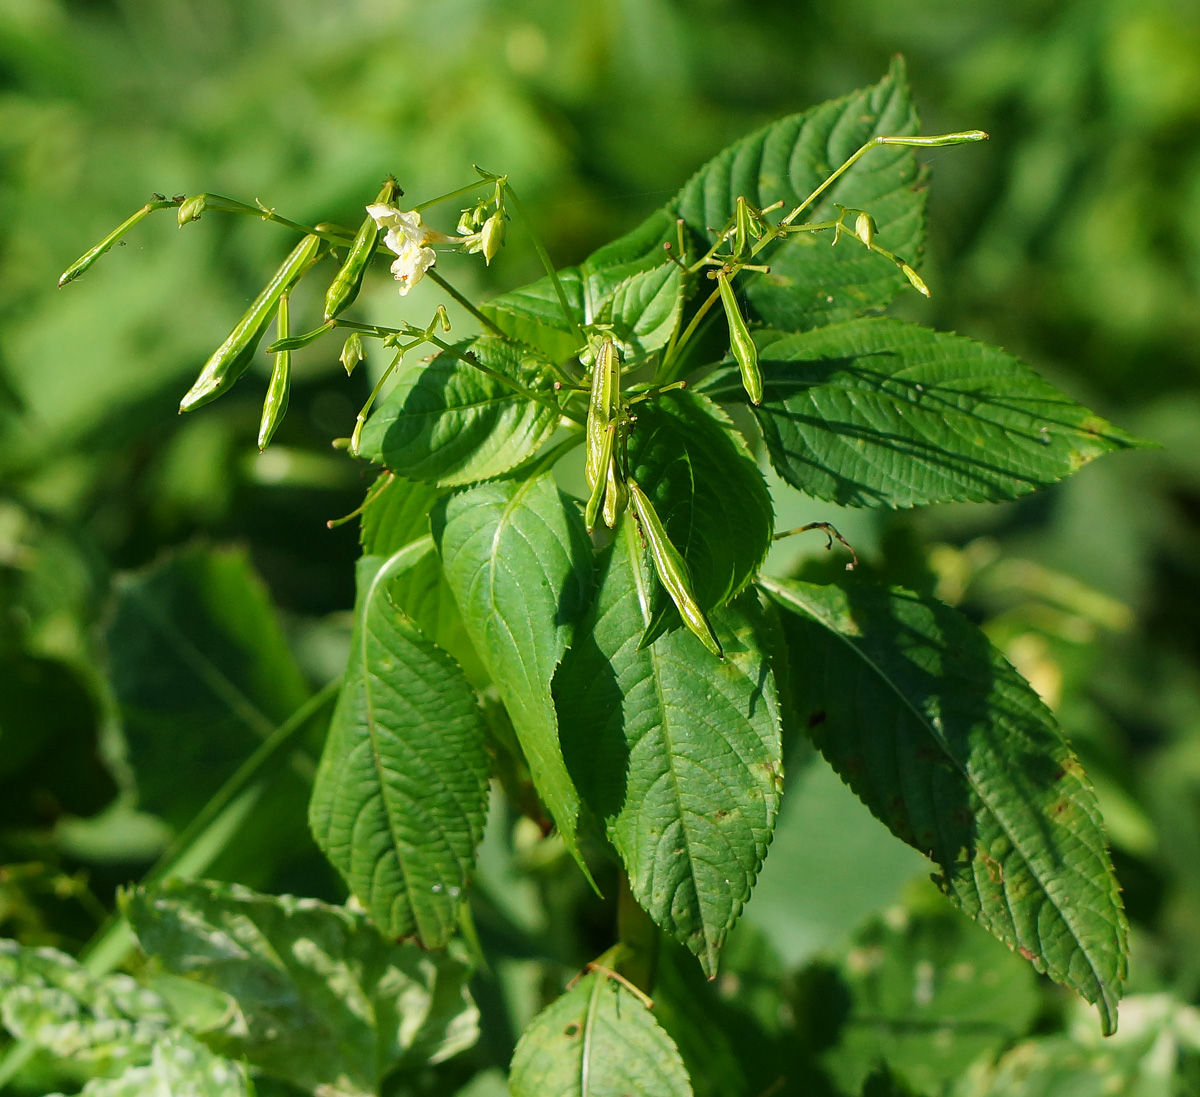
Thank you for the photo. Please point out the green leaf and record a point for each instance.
(401, 793)
(448, 423)
(630, 285)
(953, 750)
(811, 283)
(323, 1000)
(877, 412)
(92, 1025)
(179, 1066)
(396, 514)
(520, 564)
(1157, 1052)
(687, 457)
(597, 1040)
(927, 993)
(201, 672)
(677, 752)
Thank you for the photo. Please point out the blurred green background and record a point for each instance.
(1071, 238)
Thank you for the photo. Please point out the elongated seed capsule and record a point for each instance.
(92, 254)
(348, 281)
(230, 359)
(672, 570)
(616, 495)
(602, 405)
(275, 405)
(600, 486)
(744, 350)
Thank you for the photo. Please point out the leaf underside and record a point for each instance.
(952, 749)
(400, 797)
(677, 752)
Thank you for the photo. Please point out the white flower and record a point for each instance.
(410, 240)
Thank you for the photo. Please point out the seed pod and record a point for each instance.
(230, 360)
(918, 283)
(348, 281)
(275, 405)
(192, 208)
(616, 495)
(602, 406)
(492, 236)
(352, 352)
(599, 488)
(740, 343)
(672, 570)
(92, 254)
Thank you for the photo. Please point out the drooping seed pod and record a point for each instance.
(672, 570)
(865, 228)
(276, 402)
(745, 353)
(599, 488)
(348, 281)
(602, 406)
(231, 359)
(82, 264)
(616, 495)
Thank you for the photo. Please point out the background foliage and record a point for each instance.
(1070, 239)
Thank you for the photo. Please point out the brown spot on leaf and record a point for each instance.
(572, 1030)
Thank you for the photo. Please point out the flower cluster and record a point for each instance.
(410, 240)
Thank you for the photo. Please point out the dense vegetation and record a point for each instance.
(177, 614)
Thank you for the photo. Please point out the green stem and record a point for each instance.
(545, 258)
(231, 205)
(435, 277)
(665, 374)
(452, 194)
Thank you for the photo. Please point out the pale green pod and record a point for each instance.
(92, 254)
(276, 402)
(616, 496)
(348, 281)
(230, 360)
(745, 353)
(672, 570)
(599, 488)
(602, 406)
(865, 227)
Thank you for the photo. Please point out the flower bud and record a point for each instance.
(492, 236)
(192, 208)
(865, 227)
(352, 352)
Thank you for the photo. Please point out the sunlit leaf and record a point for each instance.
(518, 560)
(323, 1000)
(447, 422)
(400, 796)
(597, 1040)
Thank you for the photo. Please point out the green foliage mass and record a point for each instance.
(545, 742)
